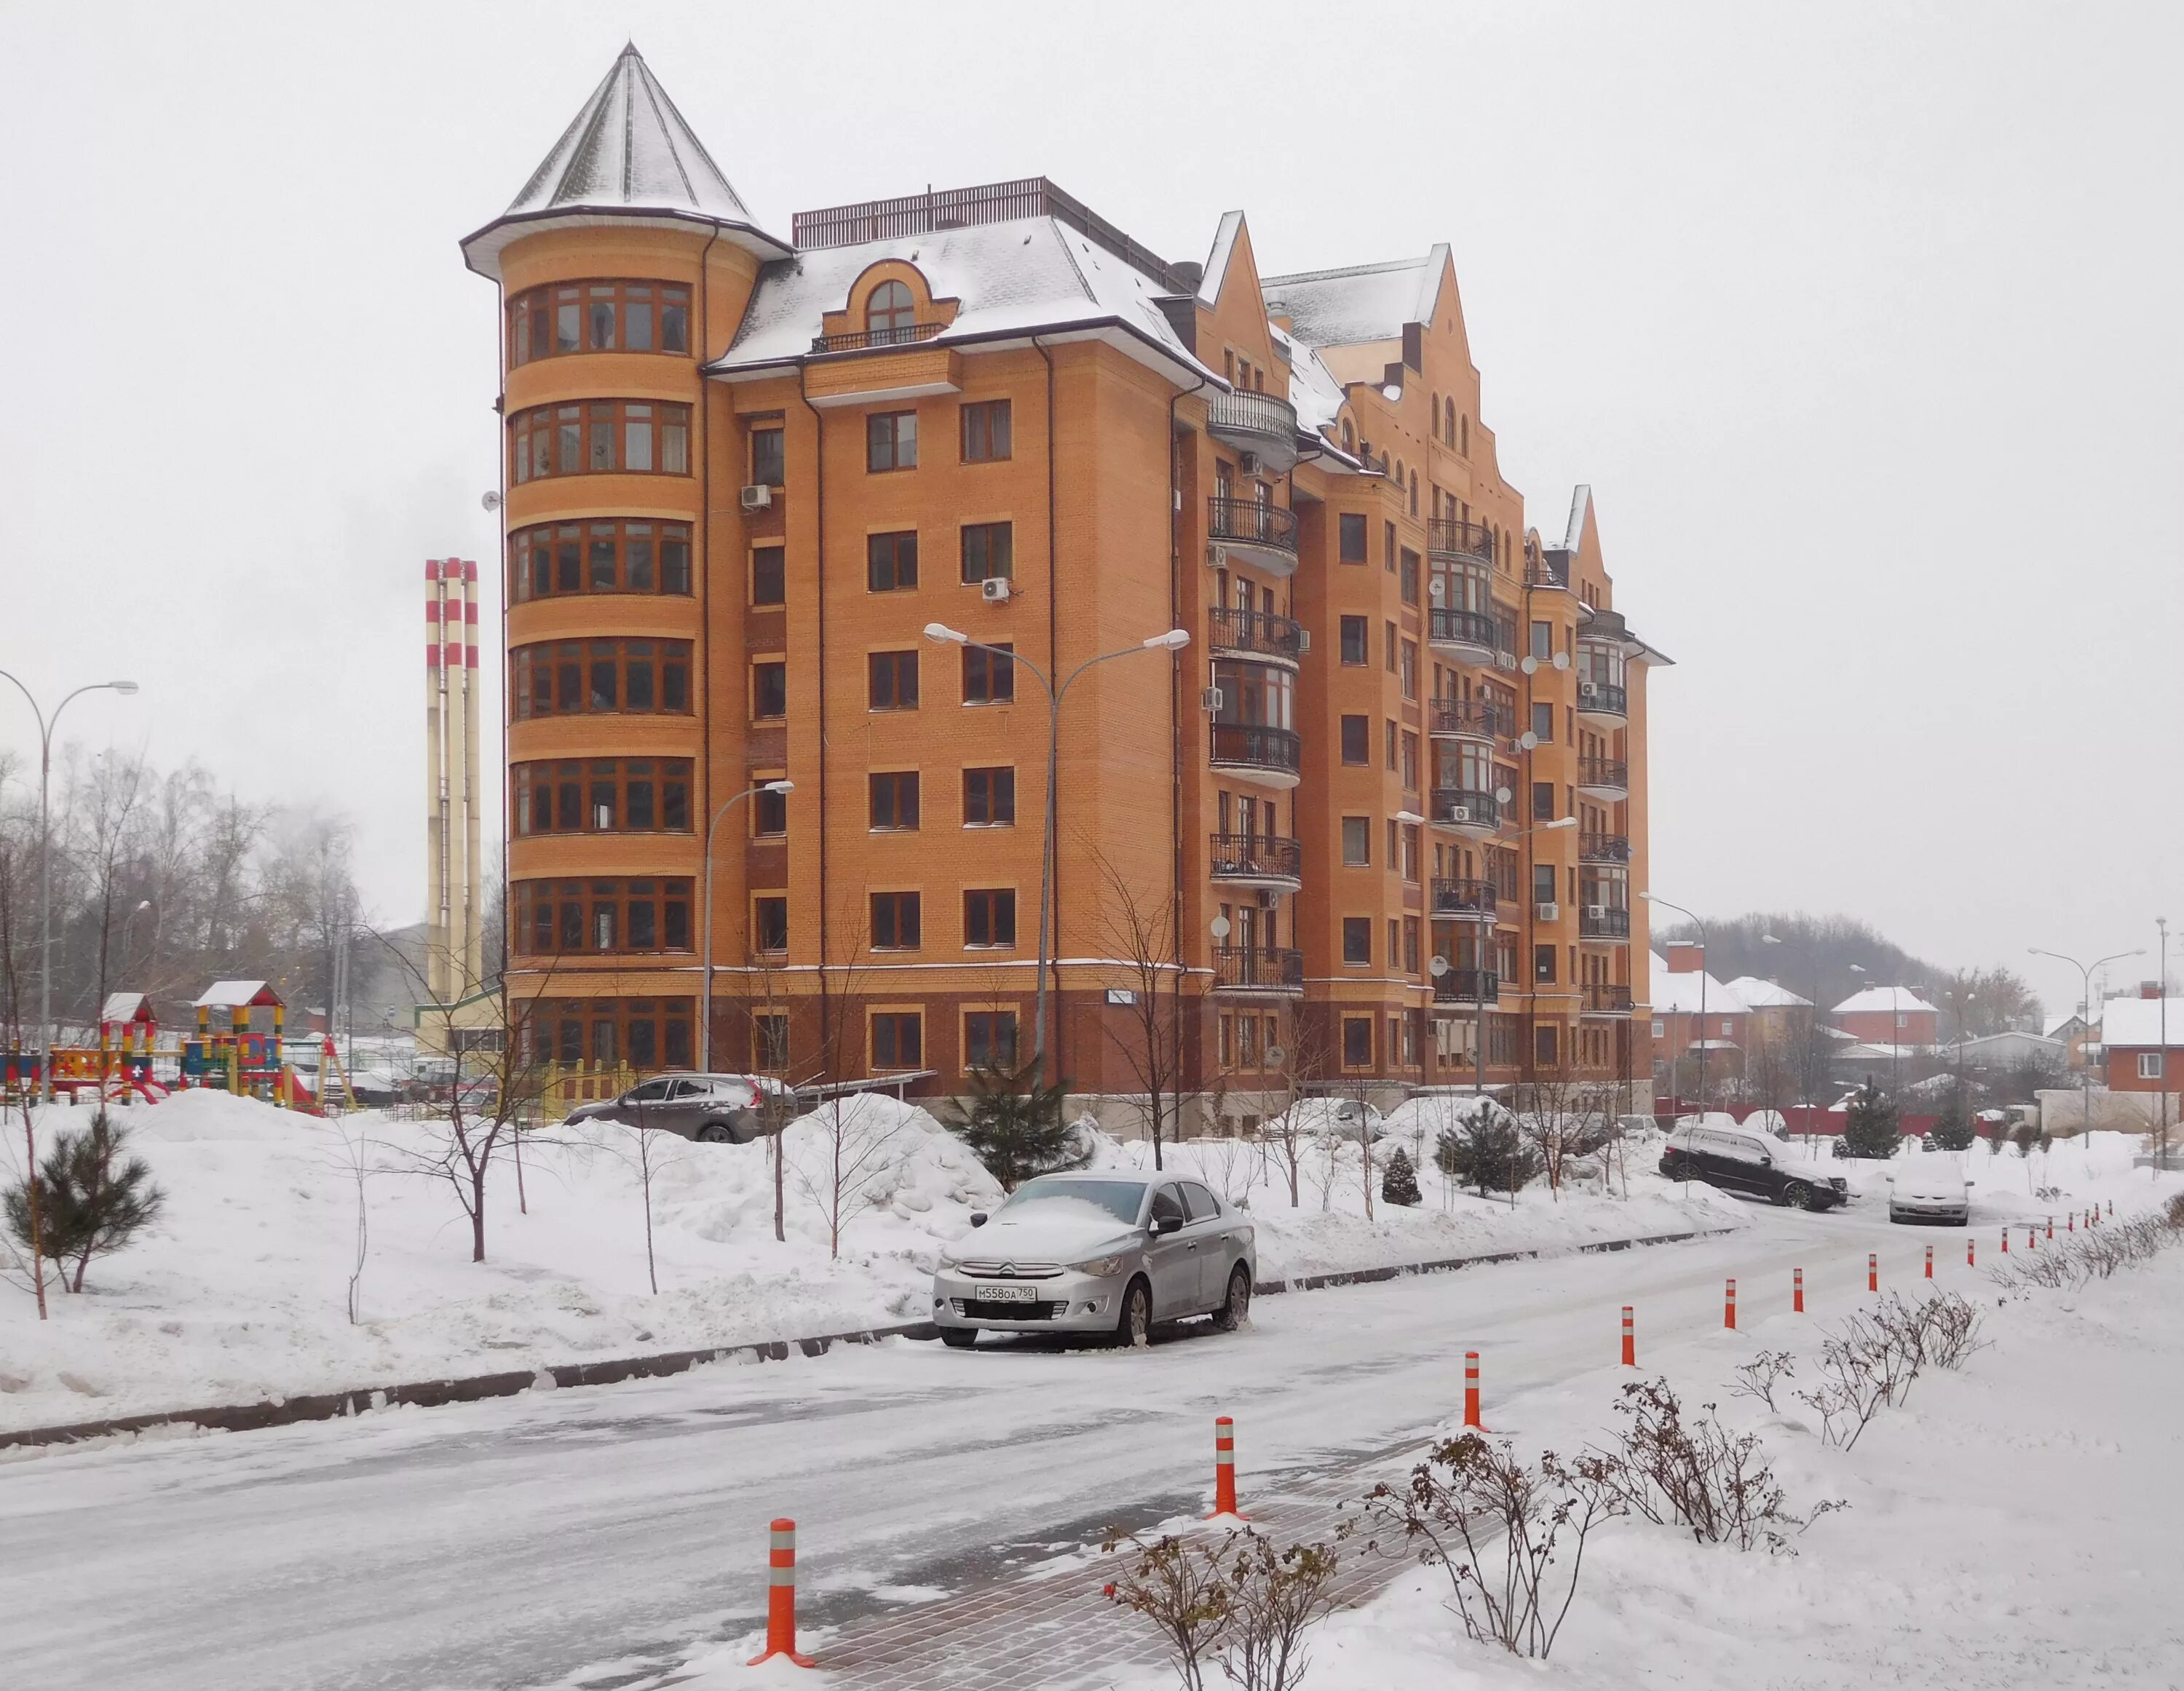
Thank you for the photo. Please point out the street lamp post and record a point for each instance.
(1478, 974)
(1173, 641)
(2086, 1003)
(2162, 1060)
(46, 727)
(705, 1019)
(1653, 898)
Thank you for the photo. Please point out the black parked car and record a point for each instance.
(1740, 1159)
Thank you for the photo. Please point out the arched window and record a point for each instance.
(1464, 446)
(890, 314)
(1448, 421)
(1414, 492)
(1348, 437)
(1399, 477)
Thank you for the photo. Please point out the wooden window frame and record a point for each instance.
(891, 426)
(669, 897)
(667, 661)
(885, 673)
(993, 897)
(894, 777)
(989, 770)
(901, 899)
(665, 299)
(976, 430)
(550, 777)
(983, 669)
(894, 1014)
(886, 550)
(668, 437)
(560, 554)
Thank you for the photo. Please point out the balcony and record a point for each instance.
(1477, 815)
(1451, 538)
(864, 340)
(1264, 535)
(1602, 702)
(1613, 849)
(1466, 635)
(1603, 777)
(1472, 987)
(1257, 969)
(1464, 900)
(1270, 756)
(1254, 634)
(1257, 860)
(1255, 423)
(1467, 719)
(1604, 923)
(1601, 998)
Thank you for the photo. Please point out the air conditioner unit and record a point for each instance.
(1209, 700)
(1459, 813)
(1216, 555)
(1587, 690)
(757, 497)
(1268, 898)
(1597, 913)
(1304, 641)
(995, 589)
(1505, 660)
(1248, 462)
(1547, 913)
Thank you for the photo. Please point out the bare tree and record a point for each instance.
(1138, 929)
(1567, 1122)
(1304, 1063)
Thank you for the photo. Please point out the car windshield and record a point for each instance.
(1118, 1198)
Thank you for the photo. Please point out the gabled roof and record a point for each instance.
(126, 1007)
(1216, 261)
(2057, 1024)
(1766, 995)
(2137, 1021)
(1884, 999)
(1362, 303)
(1678, 994)
(236, 995)
(628, 154)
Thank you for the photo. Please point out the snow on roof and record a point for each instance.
(1766, 995)
(1872, 1051)
(234, 994)
(2137, 1021)
(124, 1007)
(1678, 994)
(628, 150)
(1216, 261)
(1884, 999)
(1362, 303)
(1010, 279)
(2056, 1024)
(1580, 502)
(1313, 391)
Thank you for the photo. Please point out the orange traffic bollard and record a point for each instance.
(1729, 1307)
(781, 1598)
(1629, 1338)
(2005, 1242)
(2111, 1206)
(1930, 1262)
(1971, 1252)
(1471, 1390)
(2073, 1220)
(2051, 1226)
(1224, 1470)
(1797, 1291)
(2032, 1238)
(1872, 1272)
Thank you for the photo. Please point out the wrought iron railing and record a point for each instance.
(1254, 745)
(1602, 998)
(1246, 412)
(1468, 987)
(1464, 898)
(1607, 772)
(1602, 848)
(1251, 522)
(1604, 923)
(864, 340)
(1256, 857)
(1258, 969)
(1602, 698)
(1452, 537)
(1476, 719)
(1259, 632)
(1459, 807)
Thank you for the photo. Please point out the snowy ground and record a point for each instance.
(240, 1291)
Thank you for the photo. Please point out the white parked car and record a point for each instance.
(1936, 1186)
(1110, 1253)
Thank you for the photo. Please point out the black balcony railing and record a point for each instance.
(1256, 415)
(1603, 847)
(1601, 998)
(1473, 628)
(1468, 987)
(1258, 969)
(1259, 631)
(1254, 745)
(1603, 698)
(1610, 772)
(1459, 807)
(1470, 718)
(1464, 899)
(1452, 537)
(1605, 923)
(863, 340)
(1256, 857)
(1247, 522)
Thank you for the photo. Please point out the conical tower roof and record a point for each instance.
(627, 154)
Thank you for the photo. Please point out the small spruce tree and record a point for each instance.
(1952, 1129)
(1486, 1150)
(1870, 1127)
(1400, 1184)
(92, 1199)
(1013, 1124)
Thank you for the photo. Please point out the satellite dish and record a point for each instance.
(1438, 967)
(1502, 795)
(492, 500)
(1436, 590)
(1528, 740)
(1561, 660)
(1275, 1056)
(1221, 927)
(1531, 666)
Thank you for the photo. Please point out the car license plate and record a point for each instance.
(1007, 1294)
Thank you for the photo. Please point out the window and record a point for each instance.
(1543, 964)
(769, 577)
(1660, 1028)
(989, 551)
(891, 562)
(1409, 669)
(1410, 573)
(989, 916)
(553, 918)
(602, 796)
(890, 314)
(1388, 646)
(769, 457)
(1543, 724)
(892, 679)
(1543, 801)
(605, 556)
(1356, 841)
(896, 921)
(601, 436)
(769, 691)
(769, 1041)
(1410, 761)
(1350, 531)
(1543, 641)
(2149, 1065)
(768, 812)
(897, 1039)
(1388, 547)
(1357, 939)
(1356, 1041)
(986, 432)
(1543, 883)
(1389, 736)
(1354, 639)
(989, 1039)
(597, 317)
(891, 440)
(988, 677)
(770, 923)
(989, 798)
(1411, 852)
(1546, 1044)
(1356, 741)
(646, 1033)
(580, 677)
(1410, 945)
(895, 799)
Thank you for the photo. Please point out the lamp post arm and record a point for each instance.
(706, 1016)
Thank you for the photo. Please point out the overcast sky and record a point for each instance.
(1861, 319)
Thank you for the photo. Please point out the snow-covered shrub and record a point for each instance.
(1696, 1474)
(1243, 1606)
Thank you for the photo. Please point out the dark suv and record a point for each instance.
(1757, 1163)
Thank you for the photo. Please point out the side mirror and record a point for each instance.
(978, 1218)
(1167, 1224)
(1766, 1161)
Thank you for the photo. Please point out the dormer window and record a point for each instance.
(890, 314)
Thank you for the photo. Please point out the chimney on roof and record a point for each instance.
(1685, 958)
(1188, 274)
(2149, 989)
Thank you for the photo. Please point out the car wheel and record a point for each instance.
(1237, 1305)
(959, 1338)
(715, 1134)
(1797, 1195)
(1133, 1327)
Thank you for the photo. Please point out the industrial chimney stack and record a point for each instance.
(454, 952)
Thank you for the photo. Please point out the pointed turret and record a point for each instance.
(628, 154)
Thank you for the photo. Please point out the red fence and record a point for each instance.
(1802, 1118)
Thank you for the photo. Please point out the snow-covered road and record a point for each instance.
(517, 1542)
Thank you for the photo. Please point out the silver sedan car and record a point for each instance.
(722, 1109)
(1109, 1253)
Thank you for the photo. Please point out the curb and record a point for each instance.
(476, 1387)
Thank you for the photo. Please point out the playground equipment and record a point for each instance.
(236, 1058)
(117, 1070)
(242, 1060)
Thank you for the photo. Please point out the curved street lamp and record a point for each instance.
(705, 1020)
(2086, 1003)
(1665, 904)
